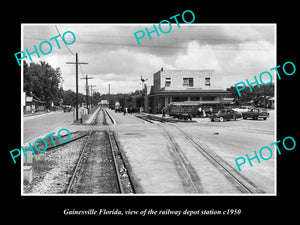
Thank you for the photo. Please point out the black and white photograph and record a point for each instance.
(147, 112)
(132, 114)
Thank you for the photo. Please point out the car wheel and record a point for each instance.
(265, 118)
(221, 119)
(244, 117)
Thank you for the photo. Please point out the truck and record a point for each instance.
(188, 109)
(255, 113)
(183, 110)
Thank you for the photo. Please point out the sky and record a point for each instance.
(235, 51)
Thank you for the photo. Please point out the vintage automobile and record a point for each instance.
(67, 108)
(225, 114)
(183, 110)
(188, 109)
(243, 108)
(255, 114)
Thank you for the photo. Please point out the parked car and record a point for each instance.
(225, 114)
(255, 114)
(243, 108)
(67, 108)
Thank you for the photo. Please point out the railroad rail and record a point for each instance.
(237, 179)
(113, 148)
(190, 179)
(93, 123)
(124, 179)
(113, 159)
(243, 184)
(120, 181)
(151, 119)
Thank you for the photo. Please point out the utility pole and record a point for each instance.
(108, 95)
(76, 63)
(87, 90)
(92, 92)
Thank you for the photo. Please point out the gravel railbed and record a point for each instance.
(53, 168)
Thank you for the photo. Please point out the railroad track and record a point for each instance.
(93, 123)
(243, 184)
(191, 179)
(100, 168)
(122, 167)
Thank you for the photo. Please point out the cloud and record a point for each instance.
(234, 51)
(232, 63)
(197, 57)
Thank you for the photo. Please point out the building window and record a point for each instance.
(168, 82)
(208, 98)
(179, 99)
(207, 81)
(194, 98)
(188, 82)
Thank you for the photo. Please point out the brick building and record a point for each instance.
(182, 85)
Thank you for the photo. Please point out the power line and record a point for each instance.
(64, 42)
(220, 48)
(230, 45)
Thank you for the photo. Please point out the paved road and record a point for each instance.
(41, 125)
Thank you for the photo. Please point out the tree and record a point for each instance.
(42, 81)
(258, 95)
(96, 97)
(69, 98)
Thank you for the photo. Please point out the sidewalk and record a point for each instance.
(37, 114)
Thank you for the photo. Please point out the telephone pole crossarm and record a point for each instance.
(87, 90)
(76, 63)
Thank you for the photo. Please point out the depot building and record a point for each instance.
(180, 86)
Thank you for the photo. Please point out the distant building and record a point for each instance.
(104, 103)
(182, 85)
(33, 103)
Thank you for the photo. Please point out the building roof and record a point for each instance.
(34, 99)
(191, 92)
(29, 99)
(195, 102)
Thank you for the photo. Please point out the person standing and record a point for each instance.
(199, 111)
(164, 112)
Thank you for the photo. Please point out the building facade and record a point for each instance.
(180, 86)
